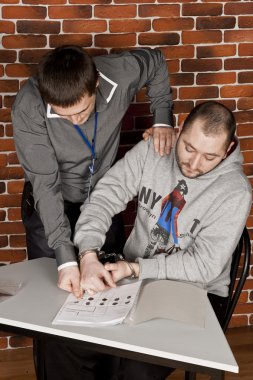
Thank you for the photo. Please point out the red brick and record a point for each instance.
(114, 40)
(9, 100)
(17, 241)
(13, 159)
(20, 70)
(123, 26)
(215, 22)
(238, 8)
(5, 116)
(92, 1)
(84, 26)
(11, 227)
(238, 63)
(245, 143)
(3, 241)
(2, 215)
(186, 51)
(192, 65)
(215, 78)
(7, 27)
(66, 12)
(23, 41)
(238, 321)
(3, 343)
(23, 12)
(70, 39)
(9, 85)
(9, 1)
(216, 51)
(3, 160)
(11, 173)
(248, 158)
(6, 145)
(171, 10)
(158, 39)
(182, 79)
(245, 77)
(133, 1)
(32, 55)
(202, 9)
(166, 24)
(244, 129)
(12, 255)
(15, 187)
(238, 36)
(246, 308)
(115, 11)
(9, 130)
(245, 22)
(173, 66)
(248, 171)
(245, 104)
(236, 91)
(205, 92)
(2, 187)
(38, 27)
(50, 2)
(181, 107)
(20, 341)
(14, 214)
(245, 49)
(207, 36)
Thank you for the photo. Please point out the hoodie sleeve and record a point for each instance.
(110, 196)
(210, 254)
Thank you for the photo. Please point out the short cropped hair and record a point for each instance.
(65, 75)
(215, 117)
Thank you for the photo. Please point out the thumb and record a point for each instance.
(109, 280)
(76, 288)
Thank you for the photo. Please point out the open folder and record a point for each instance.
(136, 302)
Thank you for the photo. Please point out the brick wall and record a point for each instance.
(208, 45)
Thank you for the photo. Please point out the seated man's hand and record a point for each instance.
(94, 277)
(121, 269)
(164, 138)
(69, 279)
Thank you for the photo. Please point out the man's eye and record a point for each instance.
(209, 158)
(188, 149)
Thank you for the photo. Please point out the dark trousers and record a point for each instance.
(35, 235)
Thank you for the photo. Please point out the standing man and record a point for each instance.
(67, 123)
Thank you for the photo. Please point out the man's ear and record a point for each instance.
(228, 149)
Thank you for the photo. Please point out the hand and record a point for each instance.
(164, 138)
(69, 279)
(121, 269)
(94, 277)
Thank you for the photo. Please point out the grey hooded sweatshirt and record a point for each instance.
(185, 229)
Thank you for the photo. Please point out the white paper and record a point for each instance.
(109, 307)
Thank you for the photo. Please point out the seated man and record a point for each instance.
(192, 208)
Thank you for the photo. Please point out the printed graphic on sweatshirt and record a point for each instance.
(166, 226)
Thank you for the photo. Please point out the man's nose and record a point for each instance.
(75, 119)
(195, 162)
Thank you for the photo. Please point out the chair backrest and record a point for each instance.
(241, 254)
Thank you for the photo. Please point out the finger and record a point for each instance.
(77, 290)
(66, 287)
(145, 136)
(110, 266)
(156, 142)
(108, 280)
(168, 144)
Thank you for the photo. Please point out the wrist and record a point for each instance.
(88, 255)
(132, 270)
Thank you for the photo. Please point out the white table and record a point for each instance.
(164, 342)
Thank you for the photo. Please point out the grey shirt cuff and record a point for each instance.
(152, 268)
(64, 254)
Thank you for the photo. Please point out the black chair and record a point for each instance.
(241, 273)
(239, 270)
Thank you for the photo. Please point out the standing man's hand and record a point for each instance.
(94, 277)
(69, 279)
(164, 138)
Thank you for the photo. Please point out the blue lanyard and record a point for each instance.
(92, 145)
